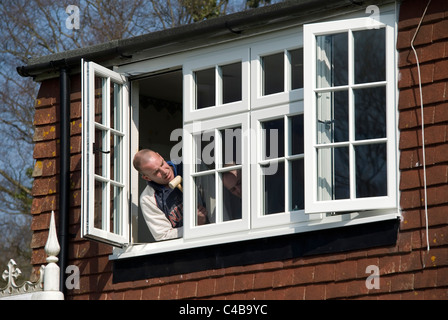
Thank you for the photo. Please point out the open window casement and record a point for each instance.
(349, 110)
(104, 212)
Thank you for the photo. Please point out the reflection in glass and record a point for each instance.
(332, 60)
(370, 113)
(274, 189)
(296, 125)
(232, 195)
(116, 203)
(205, 88)
(371, 170)
(98, 204)
(100, 102)
(231, 146)
(370, 55)
(205, 198)
(297, 185)
(116, 106)
(273, 73)
(231, 82)
(97, 150)
(334, 175)
(296, 57)
(273, 139)
(332, 117)
(205, 150)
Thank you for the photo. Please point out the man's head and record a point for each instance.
(153, 167)
(232, 182)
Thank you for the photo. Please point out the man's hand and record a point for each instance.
(202, 215)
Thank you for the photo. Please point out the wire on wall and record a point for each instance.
(423, 126)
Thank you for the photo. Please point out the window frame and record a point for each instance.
(312, 204)
(89, 70)
(256, 108)
(191, 231)
(205, 61)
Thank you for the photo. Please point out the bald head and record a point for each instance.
(153, 167)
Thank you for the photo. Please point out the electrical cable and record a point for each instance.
(423, 126)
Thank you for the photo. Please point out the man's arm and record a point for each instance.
(157, 222)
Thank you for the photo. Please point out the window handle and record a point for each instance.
(96, 150)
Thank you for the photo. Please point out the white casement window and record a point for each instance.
(105, 199)
(350, 128)
(216, 171)
(216, 84)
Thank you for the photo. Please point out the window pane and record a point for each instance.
(205, 88)
(231, 82)
(296, 68)
(273, 74)
(273, 139)
(370, 113)
(333, 173)
(274, 189)
(116, 157)
(370, 55)
(98, 151)
(98, 206)
(371, 170)
(205, 199)
(296, 125)
(332, 117)
(232, 191)
(99, 100)
(231, 146)
(297, 185)
(115, 209)
(332, 60)
(205, 151)
(116, 110)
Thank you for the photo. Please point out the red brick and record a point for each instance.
(345, 270)
(283, 278)
(295, 293)
(425, 279)
(324, 272)
(45, 116)
(440, 30)
(206, 287)
(442, 277)
(389, 264)
(304, 274)
(187, 290)
(135, 294)
(315, 292)
(242, 282)
(168, 292)
(336, 290)
(441, 70)
(263, 280)
(402, 282)
(48, 149)
(151, 293)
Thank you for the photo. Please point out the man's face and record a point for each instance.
(157, 170)
(232, 181)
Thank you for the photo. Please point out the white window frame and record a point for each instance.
(191, 230)
(283, 45)
(312, 204)
(88, 229)
(288, 217)
(207, 61)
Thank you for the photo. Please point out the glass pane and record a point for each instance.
(274, 189)
(273, 74)
(115, 209)
(99, 100)
(116, 157)
(205, 199)
(231, 82)
(370, 113)
(231, 146)
(98, 215)
(232, 192)
(205, 88)
(332, 60)
(296, 125)
(205, 151)
(297, 185)
(97, 150)
(116, 109)
(273, 139)
(371, 170)
(296, 57)
(332, 117)
(370, 55)
(333, 173)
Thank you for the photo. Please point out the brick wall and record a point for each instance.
(406, 270)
